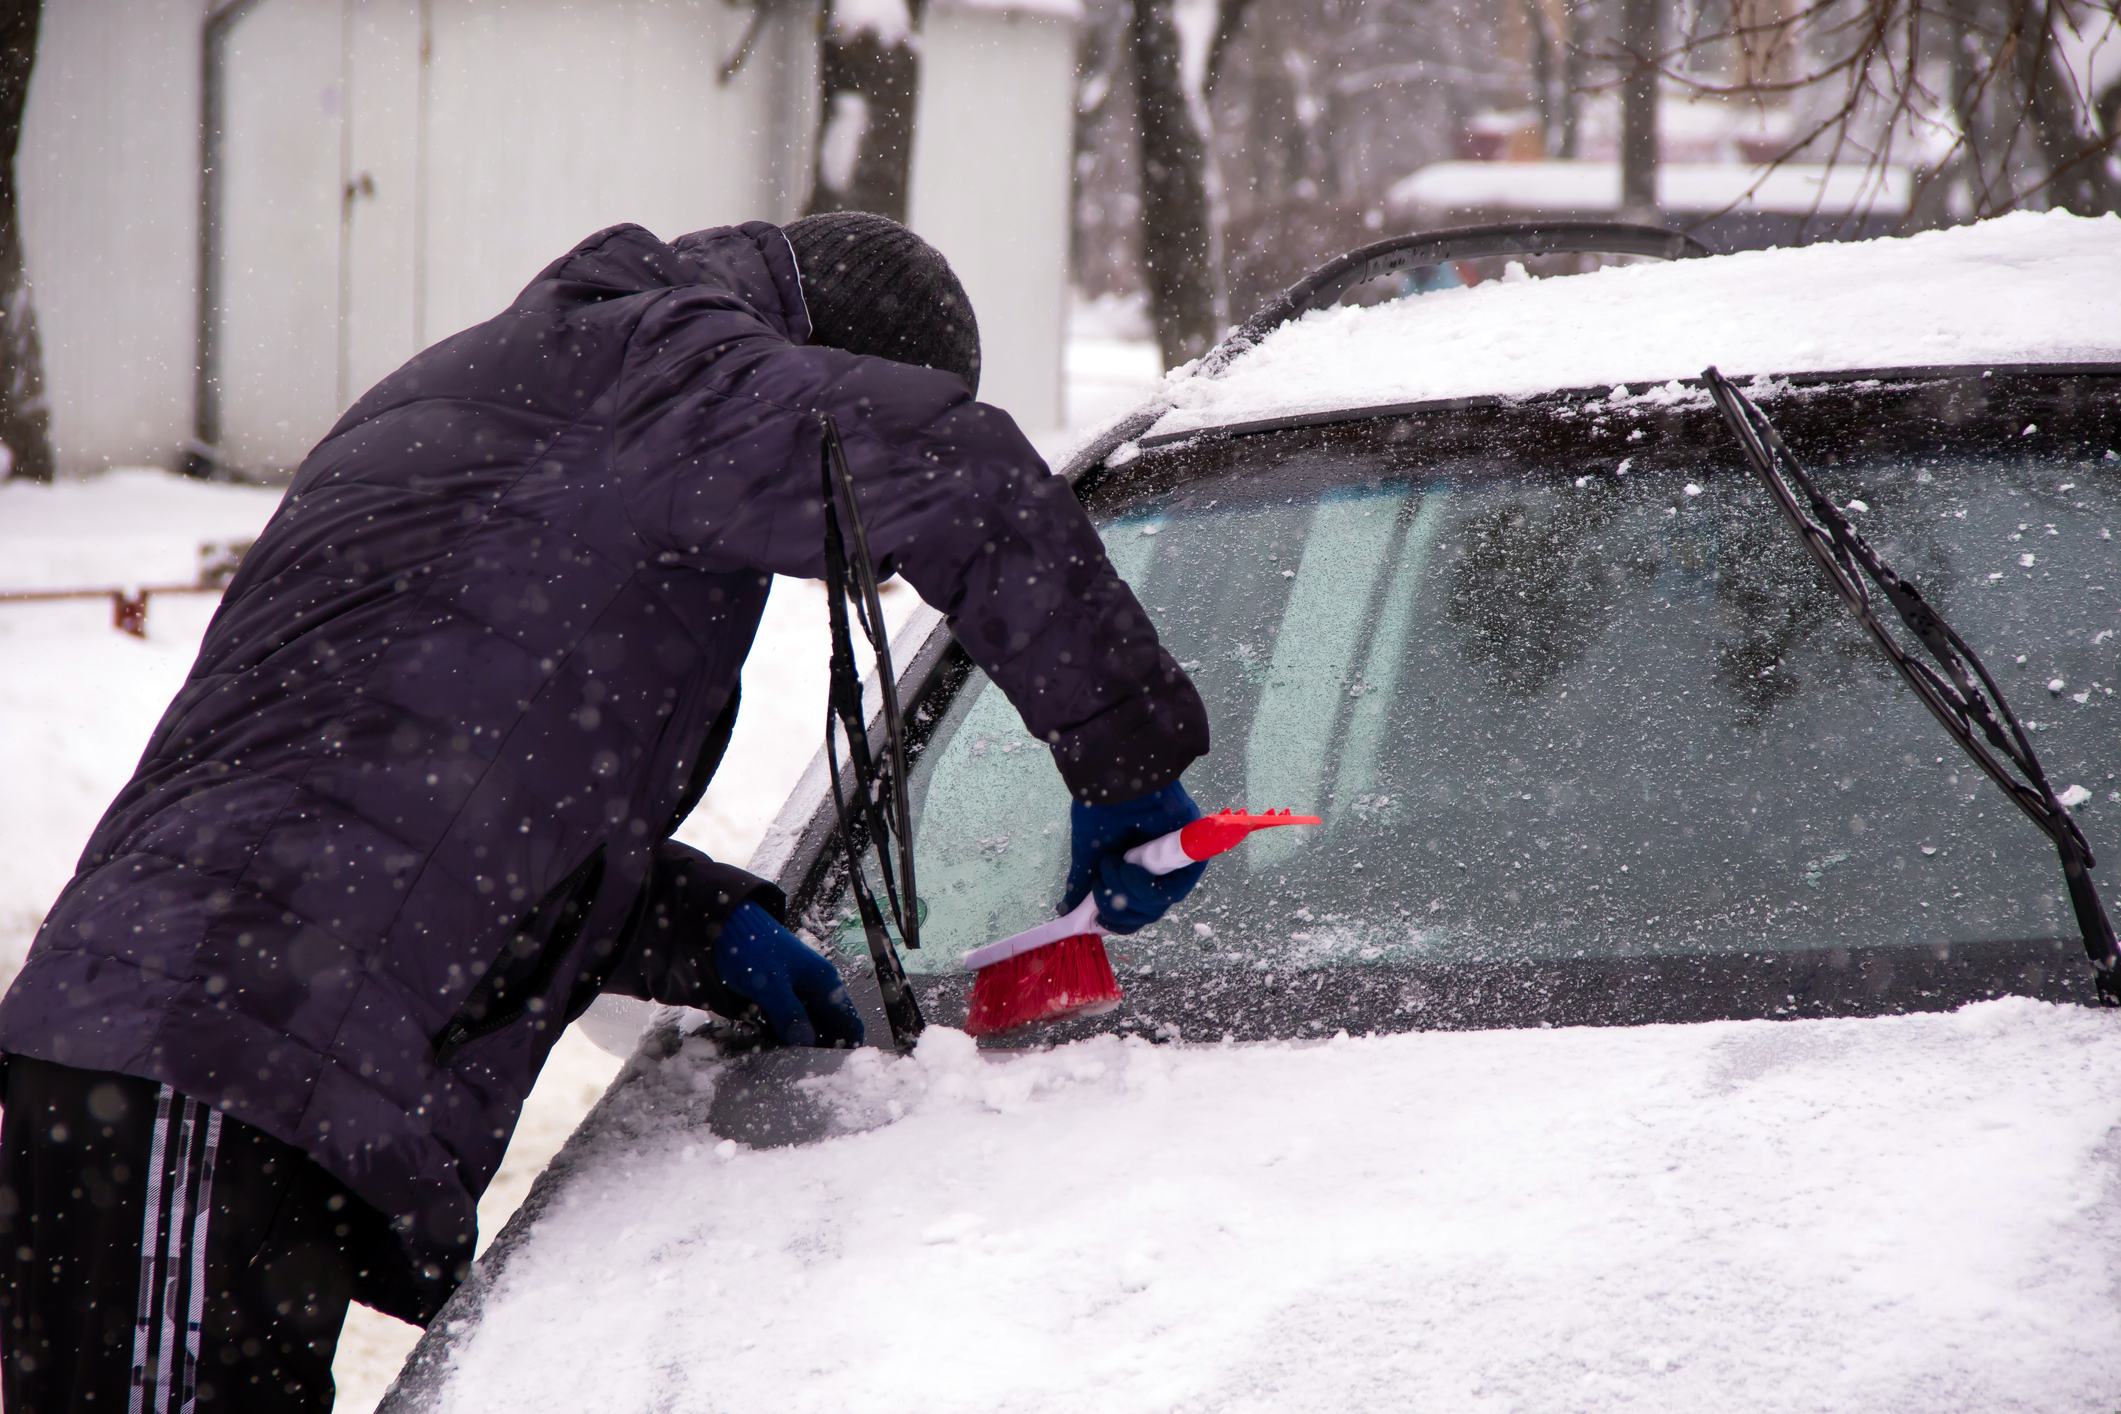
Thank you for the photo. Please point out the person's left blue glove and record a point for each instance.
(804, 1000)
(1129, 897)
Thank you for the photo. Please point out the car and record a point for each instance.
(1666, 1012)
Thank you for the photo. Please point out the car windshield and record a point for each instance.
(1549, 715)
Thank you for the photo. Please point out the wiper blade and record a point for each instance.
(879, 799)
(1959, 697)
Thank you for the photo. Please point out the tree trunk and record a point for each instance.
(1176, 241)
(2076, 162)
(1096, 79)
(1572, 82)
(25, 419)
(1542, 41)
(1960, 29)
(2106, 122)
(868, 80)
(1229, 19)
(1638, 111)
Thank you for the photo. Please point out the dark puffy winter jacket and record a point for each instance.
(411, 808)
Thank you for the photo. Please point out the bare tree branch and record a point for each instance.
(2022, 130)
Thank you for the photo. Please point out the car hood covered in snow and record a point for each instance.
(2024, 288)
(1914, 1213)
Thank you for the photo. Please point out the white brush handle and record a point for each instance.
(1159, 856)
(1082, 919)
(1162, 855)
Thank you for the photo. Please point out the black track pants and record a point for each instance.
(158, 1258)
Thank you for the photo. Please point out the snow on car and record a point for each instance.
(1664, 1014)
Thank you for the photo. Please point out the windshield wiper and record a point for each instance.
(1953, 697)
(879, 799)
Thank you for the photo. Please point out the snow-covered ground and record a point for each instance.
(2024, 288)
(78, 699)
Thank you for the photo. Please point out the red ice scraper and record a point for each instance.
(1059, 968)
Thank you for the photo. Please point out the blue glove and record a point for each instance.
(800, 992)
(1129, 897)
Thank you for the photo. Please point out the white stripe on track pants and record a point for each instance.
(159, 1258)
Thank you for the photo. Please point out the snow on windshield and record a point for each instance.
(2023, 288)
(1910, 1213)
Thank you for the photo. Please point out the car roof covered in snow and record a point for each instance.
(2020, 289)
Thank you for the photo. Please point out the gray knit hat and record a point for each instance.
(874, 287)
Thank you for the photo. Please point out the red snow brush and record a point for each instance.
(1059, 969)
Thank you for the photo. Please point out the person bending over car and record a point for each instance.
(411, 812)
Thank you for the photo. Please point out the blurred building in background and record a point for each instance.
(392, 171)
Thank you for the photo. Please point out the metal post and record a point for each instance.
(423, 119)
(349, 192)
(204, 454)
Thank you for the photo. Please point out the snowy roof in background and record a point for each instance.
(2023, 288)
(1704, 188)
(1909, 1213)
(889, 20)
(1058, 9)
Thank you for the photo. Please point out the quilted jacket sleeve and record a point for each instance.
(669, 955)
(720, 447)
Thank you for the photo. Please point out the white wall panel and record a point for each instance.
(108, 184)
(552, 121)
(286, 104)
(383, 148)
(546, 120)
(993, 140)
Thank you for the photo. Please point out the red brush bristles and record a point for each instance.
(1032, 979)
(1044, 984)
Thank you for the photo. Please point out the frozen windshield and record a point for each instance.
(1562, 717)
